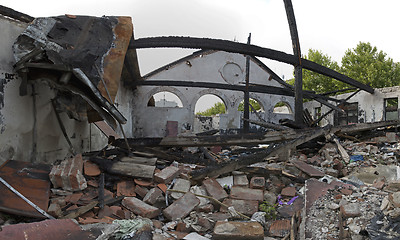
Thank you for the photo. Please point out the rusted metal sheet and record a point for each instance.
(32, 181)
(60, 229)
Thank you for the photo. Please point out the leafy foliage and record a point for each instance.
(218, 108)
(370, 66)
(269, 209)
(253, 103)
(364, 63)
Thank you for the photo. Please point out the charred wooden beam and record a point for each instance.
(5, 11)
(246, 113)
(258, 89)
(235, 47)
(251, 139)
(298, 70)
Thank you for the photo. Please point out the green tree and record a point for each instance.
(370, 66)
(218, 108)
(253, 103)
(317, 82)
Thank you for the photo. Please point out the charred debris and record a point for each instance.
(293, 180)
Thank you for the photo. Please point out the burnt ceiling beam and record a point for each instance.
(5, 11)
(258, 89)
(235, 47)
(252, 88)
(298, 70)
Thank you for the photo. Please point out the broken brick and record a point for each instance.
(126, 188)
(182, 207)
(280, 228)
(214, 189)
(289, 191)
(91, 169)
(247, 193)
(240, 180)
(68, 174)
(54, 210)
(238, 231)
(143, 183)
(166, 175)
(141, 191)
(182, 227)
(163, 187)
(350, 210)
(180, 185)
(257, 182)
(152, 196)
(247, 207)
(140, 208)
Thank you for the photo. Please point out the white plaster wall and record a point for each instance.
(208, 67)
(370, 106)
(16, 116)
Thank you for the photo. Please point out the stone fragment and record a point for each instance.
(166, 175)
(214, 189)
(152, 196)
(395, 198)
(180, 185)
(247, 193)
(140, 208)
(350, 210)
(54, 210)
(194, 236)
(205, 224)
(238, 231)
(257, 182)
(247, 207)
(240, 180)
(289, 191)
(269, 197)
(91, 169)
(182, 207)
(68, 174)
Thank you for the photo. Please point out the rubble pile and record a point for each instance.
(323, 194)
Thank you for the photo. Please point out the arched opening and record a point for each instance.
(282, 108)
(165, 99)
(209, 109)
(254, 105)
(209, 105)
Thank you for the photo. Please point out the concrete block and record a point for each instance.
(152, 196)
(140, 208)
(166, 175)
(182, 207)
(238, 231)
(68, 174)
(247, 193)
(240, 180)
(257, 182)
(214, 189)
(180, 185)
(247, 207)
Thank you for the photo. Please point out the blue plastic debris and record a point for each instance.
(355, 158)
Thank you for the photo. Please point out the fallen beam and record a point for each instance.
(250, 139)
(235, 47)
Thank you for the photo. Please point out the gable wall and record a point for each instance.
(208, 67)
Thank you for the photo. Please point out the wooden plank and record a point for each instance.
(214, 171)
(132, 169)
(140, 160)
(308, 169)
(81, 210)
(342, 151)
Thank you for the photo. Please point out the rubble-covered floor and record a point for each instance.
(316, 193)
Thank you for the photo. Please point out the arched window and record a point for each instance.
(282, 108)
(209, 105)
(164, 99)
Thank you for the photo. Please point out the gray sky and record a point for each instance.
(331, 26)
